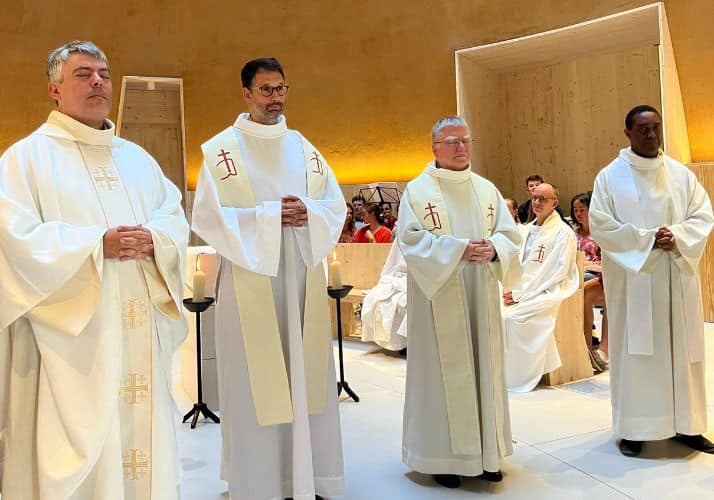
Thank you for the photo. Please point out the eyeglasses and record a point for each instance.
(541, 199)
(466, 141)
(267, 90)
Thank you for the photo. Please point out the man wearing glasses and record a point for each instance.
(269, 204)
(550, 275)
(458, 239)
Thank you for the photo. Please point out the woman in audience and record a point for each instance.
(374, 231)
(593, 291)
(348, 230)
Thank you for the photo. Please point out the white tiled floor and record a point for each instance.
(564, 448)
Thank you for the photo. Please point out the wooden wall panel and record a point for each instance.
(676, 137)
(485, 118)
(705, 174)
(564, 120)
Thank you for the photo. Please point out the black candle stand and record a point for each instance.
(339, 294)
(199, 408)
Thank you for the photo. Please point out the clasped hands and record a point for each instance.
(128, 243)
(508, 297)
(293, 211)
(664, 240)
(479, 251)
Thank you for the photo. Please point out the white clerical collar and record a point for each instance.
(552, 219)
(245, 124)
(535, 229)
(641, 162)
(78, 131)
(448, 175)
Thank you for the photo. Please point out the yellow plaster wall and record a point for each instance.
(368, 78)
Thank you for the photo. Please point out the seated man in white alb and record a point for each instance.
(550, 275)
(384, 310)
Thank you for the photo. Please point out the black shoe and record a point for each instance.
(698, 442)
(403, 352)
(630, 448)
(448, 480)
(492, 477)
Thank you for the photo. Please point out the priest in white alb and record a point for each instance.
(384, 309)
(92, 238)
(458, 239)
(652, 218)
(271, 207)
(550, 275)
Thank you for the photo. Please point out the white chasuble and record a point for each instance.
(279, 416)
(656, 324)
(550, 275)
(90, 339)
(456, 410)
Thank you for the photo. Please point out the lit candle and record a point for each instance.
(199, 281)
(335, 271)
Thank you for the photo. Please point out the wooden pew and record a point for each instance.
(361, 267)
(570, 339)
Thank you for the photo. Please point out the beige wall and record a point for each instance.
(562, 120)
(368, 78)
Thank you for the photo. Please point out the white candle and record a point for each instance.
(199, 281)
(335, 272)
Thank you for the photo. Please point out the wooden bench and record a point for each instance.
(570, 339)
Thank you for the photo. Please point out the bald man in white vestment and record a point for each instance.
(458, 239)
(92, 239)
(652, 218)
(550, 275)
(271, 207)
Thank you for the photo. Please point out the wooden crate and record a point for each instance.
(151, 115)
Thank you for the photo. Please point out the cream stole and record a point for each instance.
(451, 322)
(640, 328)
(254, 295)
(136, 400)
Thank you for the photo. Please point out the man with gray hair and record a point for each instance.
(458, 239)
(92, 239)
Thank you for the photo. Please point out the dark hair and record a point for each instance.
(534, 177)
(373, 208)
(512, 203)
(583, 198)
(359, 197)
(352, 222)
(247, 74)
(642, 108)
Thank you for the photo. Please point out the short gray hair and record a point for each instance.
(61, 55)
(449, 121)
